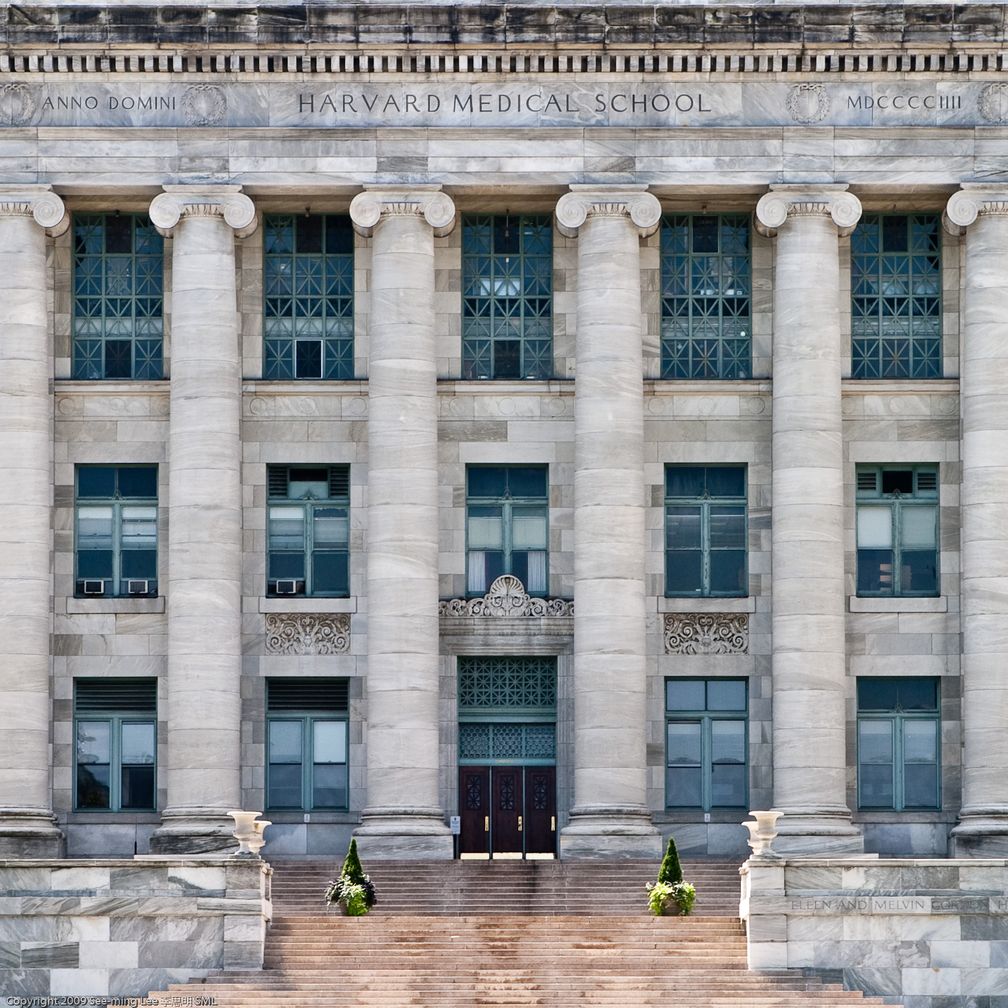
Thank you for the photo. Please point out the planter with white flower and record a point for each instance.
(670, 894)
(353, 892)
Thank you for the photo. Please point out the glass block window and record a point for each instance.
(507, 297)
(497, 742)
(507, 683)
(896, 296)
(115, 745)
(706, 277)
(118, 285)
(116, 531)
(308, 530)
(307, 728)
(507, 518)
(897, 530)
(308, 324)
(705, 531)
(899, 739)
(706, 730)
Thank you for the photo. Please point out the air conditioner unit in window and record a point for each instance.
(289, 586)
(94, 587)
(138, 586)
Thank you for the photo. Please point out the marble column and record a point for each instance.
(981, 211)
(809, 654)
(204, 517)
(27, 823)
(403, 817)
(610, 817)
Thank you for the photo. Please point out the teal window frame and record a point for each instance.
(705, 505)
(115, 703)
(118, 543)
(509, 508)
(307, 721)
(902, 527)
(706, 284)
(896, 296)
(308, 297)
(312, 510)
(704, 718)
(900, 722)
(118, 298)
(507, 297)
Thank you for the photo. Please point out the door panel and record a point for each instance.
(540, 810)
(474, 810)
(507, 818)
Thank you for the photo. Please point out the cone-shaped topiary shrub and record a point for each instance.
(353, 890)
(671, 870)
(351, 863)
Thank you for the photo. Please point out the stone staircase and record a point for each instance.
(468, 934)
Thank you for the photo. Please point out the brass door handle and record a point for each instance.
(486, 824)
(519, 824)
(553, 824)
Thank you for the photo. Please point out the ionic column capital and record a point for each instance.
(784, 202)
(38, 202)
(634, 203)
(182, 201)
(974, 199)
(427, 202)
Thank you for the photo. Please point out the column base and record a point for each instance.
(30, 834)
(404, 834)
(194, 831)
(597, 833)
(817, 833)
(981, 833)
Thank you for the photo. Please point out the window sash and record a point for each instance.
(121, 768)
(706, 548)
(318, 769)
(898, 548)
(309, 541)
(702, 777)
(902, 771)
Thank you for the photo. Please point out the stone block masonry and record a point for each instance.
(124, 927)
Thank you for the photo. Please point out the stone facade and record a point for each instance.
(799, 119)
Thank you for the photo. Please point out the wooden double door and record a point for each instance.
(507, 811)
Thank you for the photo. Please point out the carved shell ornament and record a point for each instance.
(507, 597)
(808, 103)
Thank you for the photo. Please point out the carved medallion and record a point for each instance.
(17, 106)
(706, 633)
(506, 597)
(204, 105)
(993, 103)
(808, 103)
(307, 633)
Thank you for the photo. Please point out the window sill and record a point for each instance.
(91, 606)
(301, 604)
(897, 605)
(707, 605)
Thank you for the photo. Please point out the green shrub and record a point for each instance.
(671, 870)
(351, 864)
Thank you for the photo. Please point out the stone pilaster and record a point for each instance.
(27, 824)
(610, 816)
(809, 655)
(981, 211)
(204, 517)
(403, 817)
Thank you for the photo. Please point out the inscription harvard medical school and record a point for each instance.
(541, 103)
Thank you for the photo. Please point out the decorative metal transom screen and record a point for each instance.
(487, 684)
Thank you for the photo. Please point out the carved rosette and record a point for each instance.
(204, 105)
(808, 103)
(307, 633)
(707, 633)
(638, 206)
(372, 205)
(506, 597)
(178, 202)
(973, 201)
(993, 103)
(17, 105)
(38, 202)
(783, 202)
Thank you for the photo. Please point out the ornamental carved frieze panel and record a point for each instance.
(707, 633)
(307, 633)
(507, 597)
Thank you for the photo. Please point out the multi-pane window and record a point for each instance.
(115, 748)
(506, 527)
(705, 530)
(896, 296)
(308, 530)
(118, 283)
(308, 266)
(706, 743)
(306, 743)
(897, 530)
(899, 732)
(507, 294)
(706, 277)
(116, 518)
